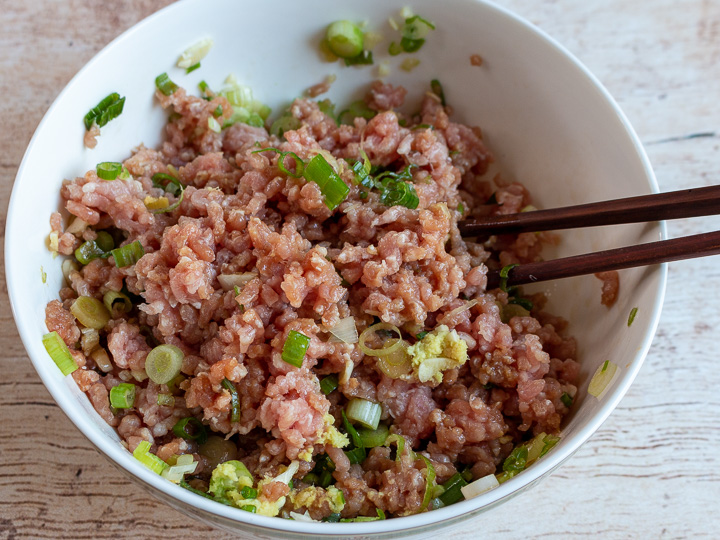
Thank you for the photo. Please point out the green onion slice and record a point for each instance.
(299, 163)
(108, 109)
(398, 193)
(416, 27)
(411, 45)
(504, 273)
(328, 384)
(356, 455)
(344, 39)
(566, 399)
(168, 183)
(191, 429)
(151, 461)
(631, 317)
(356, 109)
(371, 438)
(394, 345)
(399, 440)
(395, 48)
(437, 89)
(90, 312)
(364, 412)
(163, 363)
(429, 482)
(105, 241)
(165, 85)
(117, 302)
(365, 58)
(234, 400)
(59, 352)
(166, 400)
(351, 431)
(452, 493)
(114, 110)
(192, 68)
(249, 508)
(108, 170)
(122, 396)
(128, 255)
(295, 347)
(603, 375)
(88, 251)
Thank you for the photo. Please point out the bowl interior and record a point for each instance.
(550, 124)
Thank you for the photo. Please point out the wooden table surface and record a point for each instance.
(653, 469)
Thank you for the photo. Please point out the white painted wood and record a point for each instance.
(652, 471)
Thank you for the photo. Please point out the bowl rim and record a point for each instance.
(120, 456)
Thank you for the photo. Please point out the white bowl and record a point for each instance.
(549, 122)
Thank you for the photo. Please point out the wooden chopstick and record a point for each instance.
(686, 203)
(688, 247)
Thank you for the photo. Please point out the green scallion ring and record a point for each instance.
(163, 363)
(344, 39)
(191, 429)
(104, 241)
(59, 352)
(108, 170)
(165, 85)
(90, 312)
(117, 301)
(295, 347)
(122, 396)
(128, 255)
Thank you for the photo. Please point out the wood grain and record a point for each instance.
(652, 471)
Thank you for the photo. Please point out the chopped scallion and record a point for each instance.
(344, 39)
(599, 382)
(437, 89)
(192, 68)
(122, 396)
(234, 400)
(333, 188)
(504, 273)
(88, 251)
(90, 312)
(108, 170)
(108, 109)
(295, 347)
(166, 400)
(566, 399)
(371, 438)
(117, 302)
(631, 317)
(453, 493)
(105, 241)
(165, 85)
(163, 363)
(328, 384)
(151, 461)
(127, 255)
(59, 352)
(364, 412)
(191, 429)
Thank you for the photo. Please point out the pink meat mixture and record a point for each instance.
(312, 267)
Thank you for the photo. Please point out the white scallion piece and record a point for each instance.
(229, 281)
(214, 125)
(457, 310)
(479, 486)
(303, 517)
(195, 53)
(602, 378)
(345, 331)
(77, 227)
(176, 473)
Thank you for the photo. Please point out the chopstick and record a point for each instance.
(688, 247)
(685, 203)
